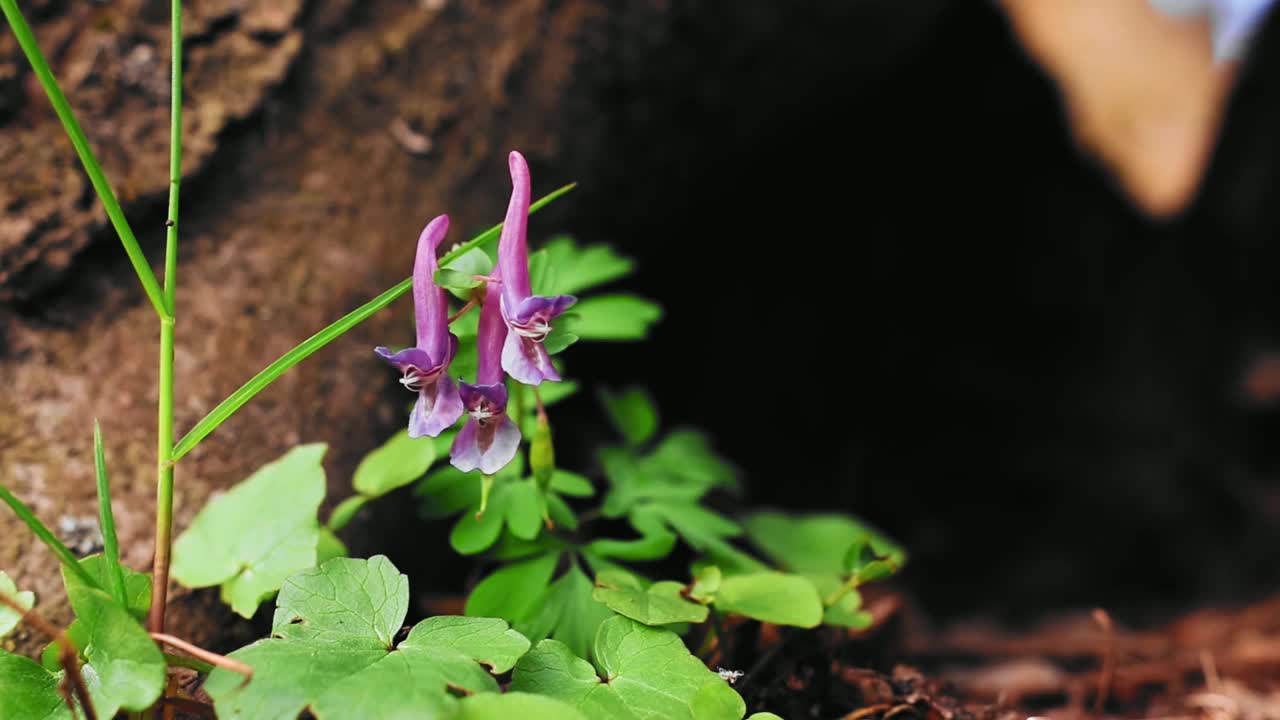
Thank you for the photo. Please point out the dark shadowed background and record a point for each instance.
(894, 286)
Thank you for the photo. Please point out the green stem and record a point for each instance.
(50, 540)
(60, 106)
(164, 431)
(841, 591)
(486, 484)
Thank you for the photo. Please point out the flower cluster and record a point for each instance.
(513, 324)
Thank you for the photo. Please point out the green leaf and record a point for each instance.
(697, 525)
(456, 281)
(615, 317)
(475, 531)
(560, 513)
(510, 548)
(655, 540)
(137, 586)
(571, 484)
(731, 560)
(345, 596)
(875, 570)
(473, 261)
(399, 461)
(440, 653)
(332, 651)
(706, 583)
(580, 269)
(818, 543)
(846, 610)
(487, 641)
(329, 546)
(507, 593)
(764, 716)
(632, 412)
(31, 692)
(514, 705)
(9, 618)
(542, 273)
(567, 612)
(126, 659)
(771, 597)
(648, 674)
(526, 508)
(465, 328)
(686, 455)
(681, 468)
(661, 603)
(562, 334)
(257, 534)
(458, 277)
(554, 392)
(632, 482)
(137, 599)
(344, 513)
(447, 490)
(303, 350)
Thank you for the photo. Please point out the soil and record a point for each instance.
(1213, 665)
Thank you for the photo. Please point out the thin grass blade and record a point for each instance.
(46, 536)
(107, 520)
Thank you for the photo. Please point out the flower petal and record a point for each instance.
(513, 248)
(491, 332)
(488, 449)
(527, 361)
(548, 307)
(409, 357)
(472, 395)
(430, 304)
(504, 443)
(438, 408)
(464, 454)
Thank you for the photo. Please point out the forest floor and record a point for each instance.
(1214, 664)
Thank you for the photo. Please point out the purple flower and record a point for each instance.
(424, 366)
(528, 316)
(490, 439)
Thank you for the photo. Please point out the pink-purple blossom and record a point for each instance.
(528, 316)
(424, 367)
(490, 439)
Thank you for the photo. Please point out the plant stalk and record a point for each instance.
(164, 430)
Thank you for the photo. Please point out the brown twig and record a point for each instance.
(1108, 660)
(168, 711)
(212, 658)
(67, 655)
(465, 308)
